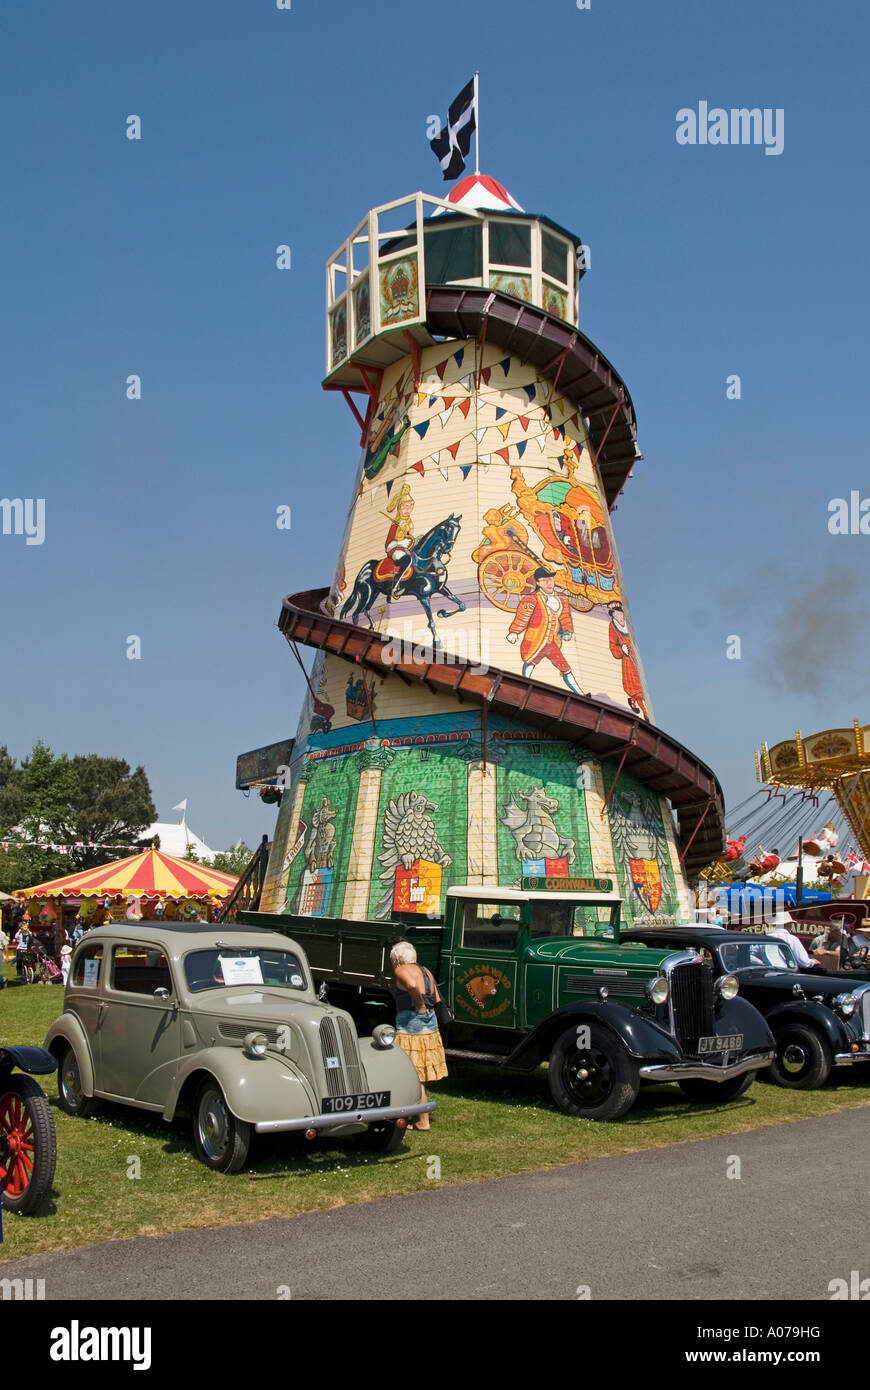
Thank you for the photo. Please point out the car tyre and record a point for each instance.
(802, 1060)
(698, 1089)
(383, 1138)
(599, 1082)
(70, 1095)
(26, 1119)
(222, 1141)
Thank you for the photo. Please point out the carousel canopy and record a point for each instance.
(152, 872)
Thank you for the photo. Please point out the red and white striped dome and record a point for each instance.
(480, 191)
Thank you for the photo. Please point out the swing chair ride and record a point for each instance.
(815, 801)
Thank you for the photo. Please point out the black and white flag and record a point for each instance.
(452, 144)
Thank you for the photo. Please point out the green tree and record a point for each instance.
(61, 800)
(233, 860)
(229, 861)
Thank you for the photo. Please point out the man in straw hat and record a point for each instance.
(780, 926)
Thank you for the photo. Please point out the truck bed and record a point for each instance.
(354, 953)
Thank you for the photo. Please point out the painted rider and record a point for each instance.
(544, 620)
(621, 649)
(400, 537)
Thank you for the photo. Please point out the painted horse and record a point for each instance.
(426, 578)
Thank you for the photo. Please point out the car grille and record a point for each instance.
(237, 1032)
(338, 1044)
(692, 1004)
(865, 1013)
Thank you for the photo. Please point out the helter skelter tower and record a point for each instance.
(477, 710)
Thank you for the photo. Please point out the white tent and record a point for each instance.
(176, 837)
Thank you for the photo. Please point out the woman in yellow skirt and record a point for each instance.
(416, 1025)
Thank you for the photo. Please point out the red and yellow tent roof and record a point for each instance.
(151, 873)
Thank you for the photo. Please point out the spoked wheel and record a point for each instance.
(28, 1138)
(803, 1059)
(222, 1141)
(598, 1082)
(506, 576)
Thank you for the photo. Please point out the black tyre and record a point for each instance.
(70, 1096)
(384, 1138)
(222, 1142)
(599, 1082)
(803, 1059)
(718, 1090)
(28, 1139)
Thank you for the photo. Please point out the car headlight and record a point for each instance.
(384, 1035)
(657, 990)
(255, 1044)
(845, 1003)
(727, 986)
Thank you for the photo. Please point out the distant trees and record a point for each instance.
(55, 799)
(229, 861)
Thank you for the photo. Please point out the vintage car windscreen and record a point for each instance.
(591, 920)
(229, 966)
(739, 955)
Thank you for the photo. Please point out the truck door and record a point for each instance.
(483, 964)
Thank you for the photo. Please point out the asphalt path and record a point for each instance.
(667, 1223)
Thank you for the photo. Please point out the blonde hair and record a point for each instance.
(403, 953)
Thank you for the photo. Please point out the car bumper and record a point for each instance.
(846, 1059)
(348, 1117)
(704, 1071)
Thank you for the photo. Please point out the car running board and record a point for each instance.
(466, 1054)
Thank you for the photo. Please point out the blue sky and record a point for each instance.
(261, 127)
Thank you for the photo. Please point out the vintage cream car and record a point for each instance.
(223, 1025)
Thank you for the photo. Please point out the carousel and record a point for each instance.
(146, 885)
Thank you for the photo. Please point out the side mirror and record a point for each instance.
(161, 993)
(323, 991)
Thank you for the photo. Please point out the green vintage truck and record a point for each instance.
(537, 975)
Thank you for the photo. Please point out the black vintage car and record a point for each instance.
(818, 1020)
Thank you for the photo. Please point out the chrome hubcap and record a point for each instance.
(214, 1125)
(794, 1058)
(71, 1082)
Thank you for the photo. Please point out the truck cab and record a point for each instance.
(509, 949)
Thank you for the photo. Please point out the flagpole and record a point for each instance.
(476, 128)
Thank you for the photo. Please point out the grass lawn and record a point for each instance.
(488, 1124)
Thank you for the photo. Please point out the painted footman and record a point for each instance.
(224, 1026)
(540, 974)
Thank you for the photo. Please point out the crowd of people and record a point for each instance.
(837, 947)
(42, 956)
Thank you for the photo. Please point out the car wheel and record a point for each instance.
(803, 1060)
(28, 1129)
(384, 1138)
(70, 1095)
(599, 1082)
(222, 1142)
(696, 1089)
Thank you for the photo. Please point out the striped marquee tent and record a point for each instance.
(151, 873)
